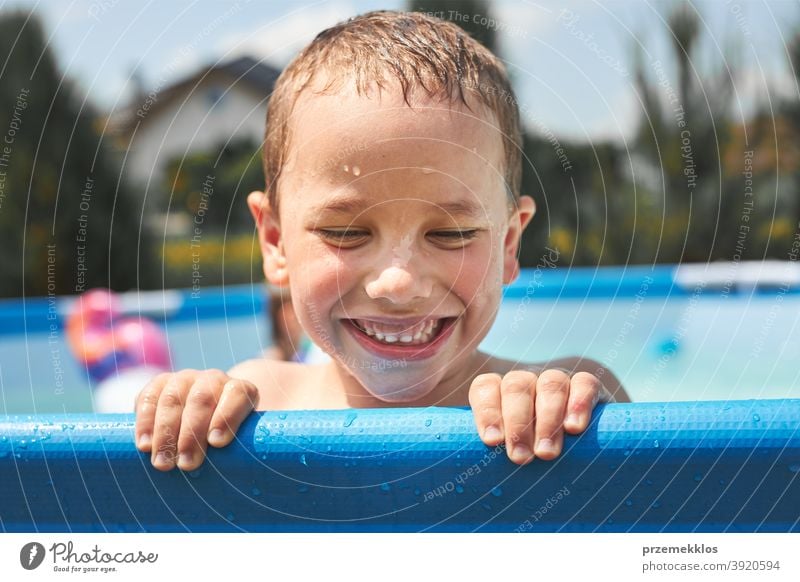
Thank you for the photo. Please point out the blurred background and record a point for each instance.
(121, 112)
(656, 133)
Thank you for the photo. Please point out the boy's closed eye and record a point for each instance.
(353, 236)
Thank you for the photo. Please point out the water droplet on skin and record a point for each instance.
(348, 421)
(346, 168)
(356, 171)
(497, 491)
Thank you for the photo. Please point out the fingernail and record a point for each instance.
(492, 433)
(573, 419)
(185, 459)
(522, 452)
(546, 446)
(216, 436)
(163, 459)
(144, 440)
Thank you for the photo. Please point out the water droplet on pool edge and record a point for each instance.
(385, 487)
(348, 421)
(795, 468)
(428, 422)
(497, 492)
(303, 460)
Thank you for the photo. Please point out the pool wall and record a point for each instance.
(648, 467)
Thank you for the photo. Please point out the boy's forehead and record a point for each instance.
(344, 122)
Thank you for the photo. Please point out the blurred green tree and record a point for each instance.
(684, 130)
(69, 223)
(236, 171)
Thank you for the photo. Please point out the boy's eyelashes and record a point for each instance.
(353, 236)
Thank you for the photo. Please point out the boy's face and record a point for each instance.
(394, 235)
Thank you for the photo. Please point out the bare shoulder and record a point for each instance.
(273, 378)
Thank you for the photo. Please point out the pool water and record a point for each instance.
(665, 348)
(663, 342)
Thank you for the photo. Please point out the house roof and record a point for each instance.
(243, 72)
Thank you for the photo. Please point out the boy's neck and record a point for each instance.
(453, 390)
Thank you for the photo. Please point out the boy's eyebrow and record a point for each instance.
(346, 205)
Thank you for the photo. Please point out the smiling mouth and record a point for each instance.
(418, 334)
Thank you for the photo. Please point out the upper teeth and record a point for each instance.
(419, 333)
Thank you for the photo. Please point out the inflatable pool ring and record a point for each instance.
(120, 354)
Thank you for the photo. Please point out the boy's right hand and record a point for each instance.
(178, 415)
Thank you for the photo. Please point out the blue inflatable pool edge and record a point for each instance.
(645, 467)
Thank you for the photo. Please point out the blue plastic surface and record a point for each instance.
(695, 466)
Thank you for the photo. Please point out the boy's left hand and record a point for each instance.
(530, 412)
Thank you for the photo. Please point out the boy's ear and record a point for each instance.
(520, 218)
(269, 239)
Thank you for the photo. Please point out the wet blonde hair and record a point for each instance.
(419, 51)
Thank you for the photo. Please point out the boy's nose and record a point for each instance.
(399, 284)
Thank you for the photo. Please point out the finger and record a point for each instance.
(584, 393)
(552, 391)
(200, 405)
(145, 407)
(168, 420)
(516, 390)
(484, 399)
(239, 398)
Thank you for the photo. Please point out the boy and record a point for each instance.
(393, 214)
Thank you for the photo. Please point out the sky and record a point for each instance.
(571, 62)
